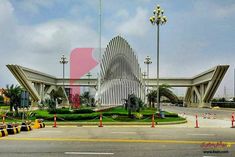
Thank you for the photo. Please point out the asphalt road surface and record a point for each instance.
(207, 118)
(118, 141)
(221, 114)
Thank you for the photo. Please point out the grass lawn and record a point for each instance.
(113, 115)
(4, 107)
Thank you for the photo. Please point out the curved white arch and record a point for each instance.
(120, 73)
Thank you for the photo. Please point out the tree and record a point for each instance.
(133, 104)
(1, 99)
(14, 93)
(164, 90)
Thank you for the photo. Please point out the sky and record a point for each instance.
(198, 35)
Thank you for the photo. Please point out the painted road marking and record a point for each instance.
(87, 153)
(202, 134)
(113, 140)
(51, 131)
(123, 132)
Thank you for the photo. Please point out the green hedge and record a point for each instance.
(68, 117)
(83, 110)
(225, 105)
(60, 111)
(67, 111)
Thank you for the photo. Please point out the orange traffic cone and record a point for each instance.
(153, 122)
(100, 125)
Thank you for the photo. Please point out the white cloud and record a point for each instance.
(33, 6)
(136, 25)
(40, 46)
(225, 11)
(122, 14)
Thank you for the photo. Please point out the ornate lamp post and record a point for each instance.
(158, 19)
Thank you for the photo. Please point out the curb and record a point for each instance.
(119, 123)
(170, 123)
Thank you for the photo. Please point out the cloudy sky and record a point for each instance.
(199, 34)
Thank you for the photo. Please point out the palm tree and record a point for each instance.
(164, 90)
(86, 98)
(14, 93)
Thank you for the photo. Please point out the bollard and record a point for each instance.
(100, 125)
(203, 115)
(214, 116)
(209, 115)
(153, 123)
(232, 120)
(197, 126)
(54, 126)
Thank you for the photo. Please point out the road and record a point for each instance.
(117, 142)
(219, 113)
(128, 141)
(218, 118)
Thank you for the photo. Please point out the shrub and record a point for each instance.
(60, 111)
(69, 117)
(224, 104)
(138, 116)
(83, 110)
(167, 114)
(114, 113)
(10, 114)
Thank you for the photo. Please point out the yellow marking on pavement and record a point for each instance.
(114, 140)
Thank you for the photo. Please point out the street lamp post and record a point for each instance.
(144, 76)
(63, 61)
(158, 19)
(234, 84)
(147, 61)
(89, 75)
(100, 55)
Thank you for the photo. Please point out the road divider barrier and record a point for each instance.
(16, 125)
(100, 124)
(11, 129)
(232, 119)
(204, 115)
(3, 132)
(38, 124)
(26, 126)
(153, 122)
(197, 125)
(209, 116)
(214, 116)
